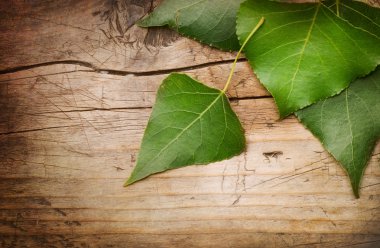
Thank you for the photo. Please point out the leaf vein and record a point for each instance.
(307, 39)
(181, 133)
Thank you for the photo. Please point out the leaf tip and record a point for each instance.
(356, 192)
(355, 186)
(127, 183)
(283, 114)
(130, 181)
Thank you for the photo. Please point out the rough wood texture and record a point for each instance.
(77, 83)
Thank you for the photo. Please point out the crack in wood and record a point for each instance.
(232, 99)
(118, 72)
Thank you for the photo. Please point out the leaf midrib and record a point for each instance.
(337, 3)
(183, 131)
(307, 39)
(361, 14)
(351, 133)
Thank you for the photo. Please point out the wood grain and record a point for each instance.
(99, 33)
(77, 83)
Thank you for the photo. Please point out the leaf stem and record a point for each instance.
(238, 54)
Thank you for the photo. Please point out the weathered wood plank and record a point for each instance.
(133, 202)
(79, 155)
(100, 33)
(194, 226)
(72, 87)
(236, 212)
(240, 239)
(77, 84)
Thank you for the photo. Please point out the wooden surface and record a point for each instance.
(77, 84)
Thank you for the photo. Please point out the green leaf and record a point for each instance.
(348, 125)
(212, 22)
(305, 52)
(362, 16)
(190, 124)
(359, 14)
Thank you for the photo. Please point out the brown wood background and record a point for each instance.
(77, 83)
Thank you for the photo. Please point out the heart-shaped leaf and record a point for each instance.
(191, 123)
(305, 52)
(209, 21)
(348, 125)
